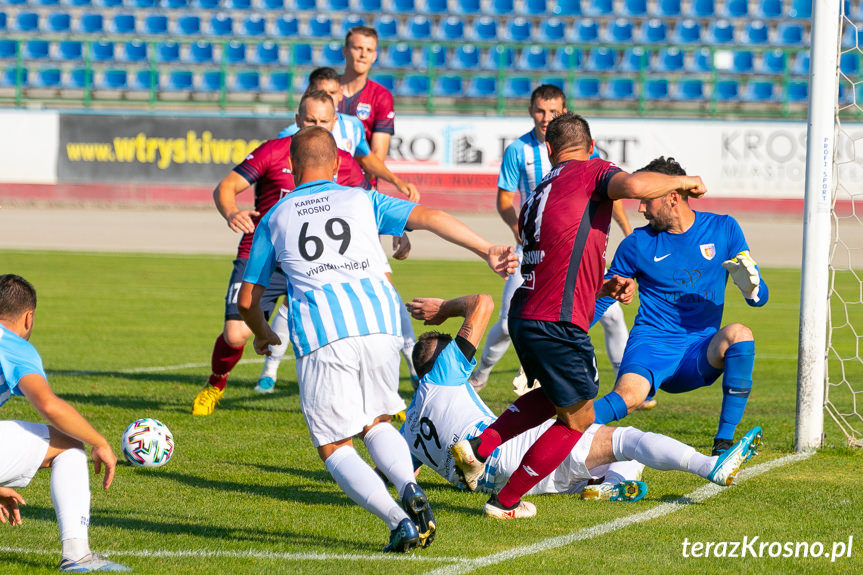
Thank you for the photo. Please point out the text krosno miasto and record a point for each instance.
(754, 547)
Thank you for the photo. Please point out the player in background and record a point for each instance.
(525, 163)
(26, 447)
(267, 169)
(345, 330)
(446, 410)
(564, 231)
(681, 261)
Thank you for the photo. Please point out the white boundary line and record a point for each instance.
(697, 496)
(154, 369)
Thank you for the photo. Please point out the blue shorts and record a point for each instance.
(674, 364)
(277, 288)
(560, 356)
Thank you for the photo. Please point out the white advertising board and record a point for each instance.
(28, 147)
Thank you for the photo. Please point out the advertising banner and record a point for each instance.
(28, 148)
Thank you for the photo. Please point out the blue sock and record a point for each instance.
(736, 385)
(610, 407)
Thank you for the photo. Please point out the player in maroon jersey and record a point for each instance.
(564, 230)
(267, 168)
(364, 98)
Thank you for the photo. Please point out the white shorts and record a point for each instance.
(345, 385)
(23, 446)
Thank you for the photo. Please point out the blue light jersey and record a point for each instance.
(681, 281)
(324, 238)
(18, 358)
(444, 410)
(349, 134)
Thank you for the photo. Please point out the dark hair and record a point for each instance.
(17, 296)
(313, 146)
(663, 165)
(427, 348)
(568, 131)
(322, 73)
(316, 96)
(547, 92)
(361, 31)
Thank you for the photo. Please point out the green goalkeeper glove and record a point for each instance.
(745, 275)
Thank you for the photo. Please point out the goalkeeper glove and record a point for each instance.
(745, 275)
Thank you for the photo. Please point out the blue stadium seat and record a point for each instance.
(755, 32)
(772, 62)
(175, 4)
(156, 24)
(210, 81)
(466, 6)
(586, 88)
(388, 81)
(670, 60)
(338, 5)
(619, 89)
(332, 55)
(688, 90)
(206, 4)
(306, 5)
(145, 81)
(720, 32)
(287, 26)
(418, 28)
(743, 62)
(113, 80)
(533, 58)
(566, 58)
(656, 89)
(69, 50)
(800, 9)
(301, 54)
(277, 82)
(179, 81)
(800, 66)
(403, 6)
(637, 8)
(797, 92)
(433, 56)
(373, 6)
(80, 3)
(599, 7)
(668, 8)
(534, 7)
(102, 51)
(726, 90)
(352, 20)
(253, 25)
(554, 81)
(482, 87)
(109, 3)
(134, 52)
(702, 9)
(58, 23)
(437, 7)
(502, 57)
(238, 5)
(687, 31)
(701, 61)
(123, 24)
(518, 29)
(502, 7)
(735, 9)
(758, 92)
(552, 30)
(200, 52)
(36, 50)
(26, 22)
(789, 34)
(3, 22)
(143, 4)
(267, 54)
(517, 87)
(221, 25)
(11, 77)
(566, 8)
(413, 86)
(484, 28)
(234, 53)
(770, 9)
(78, 79)
(601, 60)
(586, 30)
(398, 56)
(8, 49)
(619, 31)
(188, 25)
(167, 52)
(849, 37)
(634, 59)
(849, 64)
(465, 57)
(451, 28)
(320, 27)
(654, 31)
(448, 86)
(248, 81)
(51, 3)
(273, 5)
(387, 27)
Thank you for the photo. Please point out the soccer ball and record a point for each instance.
(147, 443)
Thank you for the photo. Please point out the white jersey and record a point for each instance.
(324, 238)
(525, 163)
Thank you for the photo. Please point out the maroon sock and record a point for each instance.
(528, 411)
(224, 359)
(541, 459)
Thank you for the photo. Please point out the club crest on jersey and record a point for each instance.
(708, 251)
(364, 111)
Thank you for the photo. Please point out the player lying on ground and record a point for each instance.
(26, 447)
(446, 414)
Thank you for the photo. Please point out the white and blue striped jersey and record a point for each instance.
(18, 358)
(349, 134)
(525, 162)
(324, 238)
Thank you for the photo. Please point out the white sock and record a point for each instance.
(616, 335)
(408, 339)
(277, 352)
(496, 344)
(623, 471)
(389, 451)
(70, 492)
(659, 451)
(363, 485)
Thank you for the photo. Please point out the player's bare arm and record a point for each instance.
(66, 419)
(225, 196)
(508, 212)
(618, 212)
(476, 310)
(249, 306)
(650, 185)
(380, 144)
(501, 259)
(374, 167)
(9, 506)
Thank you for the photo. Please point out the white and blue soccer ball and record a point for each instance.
(148, 443)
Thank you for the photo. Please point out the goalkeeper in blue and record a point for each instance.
(682, 261)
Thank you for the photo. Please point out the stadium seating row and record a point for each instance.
(766, 9)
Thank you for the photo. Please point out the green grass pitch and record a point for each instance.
(126, 336)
